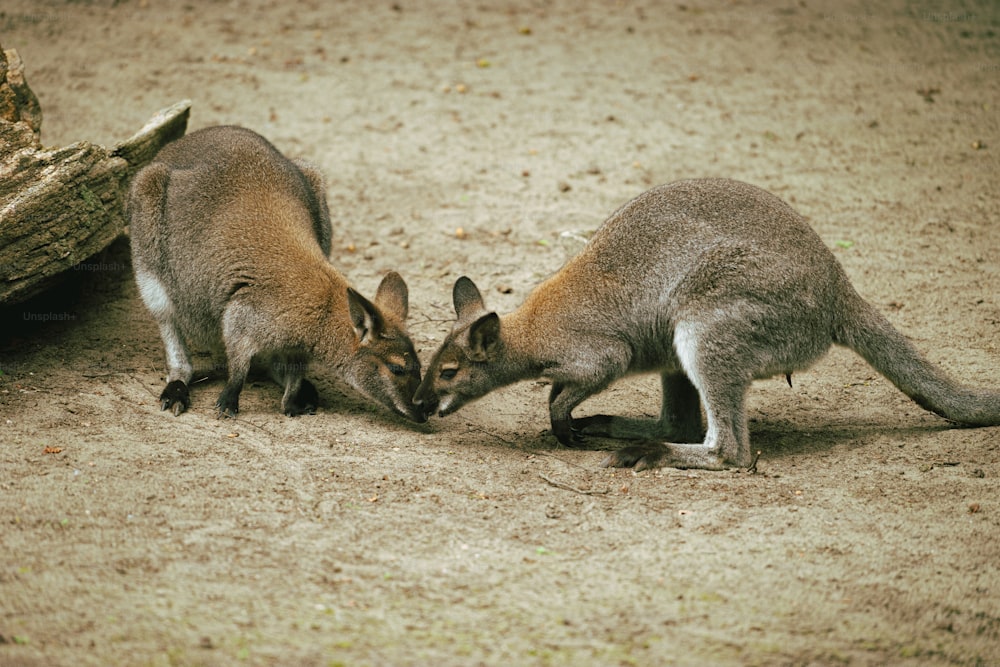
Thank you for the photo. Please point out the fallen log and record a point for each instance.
(60, 206)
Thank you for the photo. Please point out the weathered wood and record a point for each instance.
(59, 206)
(166, 126)
(17, 102)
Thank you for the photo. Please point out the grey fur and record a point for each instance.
(713, 284)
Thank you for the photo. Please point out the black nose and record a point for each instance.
(427, 406)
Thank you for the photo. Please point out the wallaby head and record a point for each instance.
(384, 365)
(470, 362)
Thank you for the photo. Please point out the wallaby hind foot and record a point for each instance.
(616, 427)
(649, 455)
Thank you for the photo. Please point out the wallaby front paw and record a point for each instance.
(305, 401)
(228, 406)
(176, 397)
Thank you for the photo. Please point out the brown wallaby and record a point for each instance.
(230, 241)
(712, 283)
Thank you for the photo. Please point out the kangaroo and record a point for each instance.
(230, 242)
(712, 283)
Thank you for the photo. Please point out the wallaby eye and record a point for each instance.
(448, 373)
(396, 369)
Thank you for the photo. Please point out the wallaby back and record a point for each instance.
(712, 283)
(230, 241)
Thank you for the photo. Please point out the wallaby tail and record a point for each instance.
(870, 334)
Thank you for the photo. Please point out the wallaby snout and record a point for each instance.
(425, 400)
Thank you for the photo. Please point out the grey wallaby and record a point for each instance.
(712, 283)
(230, 245)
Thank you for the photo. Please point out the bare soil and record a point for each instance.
(486, 139)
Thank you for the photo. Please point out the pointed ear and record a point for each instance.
(484, 337)
(365, 317)
(468, 300)
(392, 295)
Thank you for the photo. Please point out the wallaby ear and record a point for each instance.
(468, 300)
(392, 295)
(365, 317)
(484, 337)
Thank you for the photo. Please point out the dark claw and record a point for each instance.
(176, 397)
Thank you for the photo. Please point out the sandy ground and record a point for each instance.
(869, 534)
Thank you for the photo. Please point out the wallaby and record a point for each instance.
(230, 245)
(712, 283)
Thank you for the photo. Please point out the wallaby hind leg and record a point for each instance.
(680, 417)
(723, 393)
(175, 395)
(145, 211)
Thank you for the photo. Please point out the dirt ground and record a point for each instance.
(487, 139)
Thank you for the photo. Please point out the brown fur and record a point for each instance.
(711, 283)
(229, 243)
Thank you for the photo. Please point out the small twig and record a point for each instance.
(560, 459)
(143, 385)
(241, 420)
(753, 464)
(567, 487)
